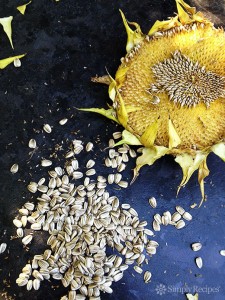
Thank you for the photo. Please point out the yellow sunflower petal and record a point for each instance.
(148, 157)
(108, 113)
(129, 139)
(6, 61)
(174, 139)
(7, 26)
(133, 36)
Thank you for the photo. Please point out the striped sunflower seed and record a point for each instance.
(17, 223)
(36, 284)
(152, 202)
(180, 209)
(147, 276)
(19, 232)
(89, 146)
(32, 144)
(176, 217)
(138, 269)
(222, 252)
(187, 216)
(47, 128)
(27, 239)
(180, 224)
(156, 226)
(29, 206)
(14, 169)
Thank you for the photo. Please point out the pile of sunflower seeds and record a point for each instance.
(83, 221)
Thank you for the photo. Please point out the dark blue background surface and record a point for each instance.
(66, 44)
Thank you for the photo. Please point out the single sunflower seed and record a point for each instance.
(47, 128)
(32, 144)
(196, 246)
(63, 121)
(199, 262)
(14, 169)
(46, 162)
(152, 202)
(3, 247)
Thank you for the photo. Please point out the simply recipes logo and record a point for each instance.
(162, 289)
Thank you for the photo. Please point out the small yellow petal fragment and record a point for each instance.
(6, 61)
(149, 136)
(192, 297)
(174, 139)
(22, 8)
(6, 24)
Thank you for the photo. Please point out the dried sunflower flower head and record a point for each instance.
(169, 91)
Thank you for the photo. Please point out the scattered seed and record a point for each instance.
(111, 178)
(187, 216)
(23, 211)
(180, 224)
(24, 221)
(3, 247)
(199, 262)
(36, 226)
(63, 121)
(17, 63)
(123, 184)
(36, 284)
(147, 276)
(89, 146)
(32, 187)
(14, 169)
(17, 223)
(222, 252)
(196, 246)
(27, 239)
(29, 206)
(90, 172)
(47, 128)
(46, 162)
(152, 202)
(19, 232)
(156, 226)
(90, 164)
(138, 269)
(158, 218)
(176, 217)
(32, 144)
(180, 209)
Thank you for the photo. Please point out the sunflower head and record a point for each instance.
(169, 91)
